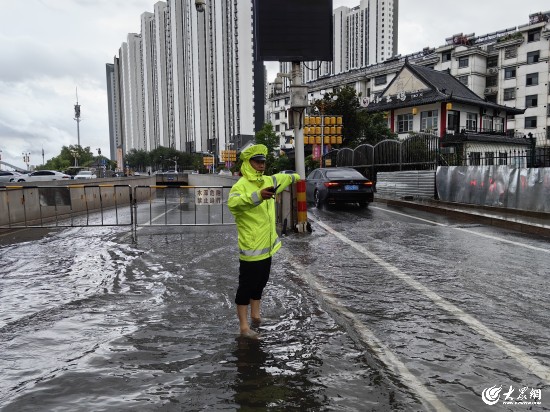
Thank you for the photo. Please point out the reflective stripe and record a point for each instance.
(260, 251)
(234, 194)
(255, 198)
(274, 181)
(293, 179)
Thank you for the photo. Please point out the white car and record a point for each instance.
(7, 176)
(44, 175)
(85, 175)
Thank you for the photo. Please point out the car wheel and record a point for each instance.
(363, 205)
(21, 180)
(317, 200)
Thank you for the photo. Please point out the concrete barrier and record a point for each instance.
(33, 203)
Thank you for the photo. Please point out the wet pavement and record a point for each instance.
(92, 320)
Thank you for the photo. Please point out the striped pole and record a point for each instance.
(302, 205)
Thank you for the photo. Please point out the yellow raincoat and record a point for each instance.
(254, 216)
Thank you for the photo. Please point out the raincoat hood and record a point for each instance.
(247, 170)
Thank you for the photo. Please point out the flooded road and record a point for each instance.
(376, 310)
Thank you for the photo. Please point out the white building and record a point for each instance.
(509, 67)
(132, 94)
(163, 77)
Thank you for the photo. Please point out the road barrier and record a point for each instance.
(64, 206)
(81, 205)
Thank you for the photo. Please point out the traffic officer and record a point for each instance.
(251, 201)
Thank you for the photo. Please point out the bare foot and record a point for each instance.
(256, 321)
(250, 334)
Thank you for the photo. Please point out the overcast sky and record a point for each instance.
(49, 48)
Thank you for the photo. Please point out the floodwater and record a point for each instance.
(92, 320)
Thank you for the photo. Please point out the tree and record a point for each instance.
(267, 136)
(66, 159)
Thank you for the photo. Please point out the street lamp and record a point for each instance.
(26, 158)
(76, 155)
(200, 5)
(100, 167)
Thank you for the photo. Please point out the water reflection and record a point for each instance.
(265, 381)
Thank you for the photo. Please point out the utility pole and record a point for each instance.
(77, 117)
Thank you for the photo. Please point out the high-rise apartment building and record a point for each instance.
(363, 35)
(187, 80)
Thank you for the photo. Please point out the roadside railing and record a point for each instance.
(123, 205)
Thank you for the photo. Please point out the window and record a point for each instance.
(378, 80)
(532, 79)
(471, 122)
(446, 57)
(491, 81)
(533, 57)
(533, 35)
(428, 120)
(489, 158)
(531, 100)
(530, 122)
(510, 52)
(277, 128)
(463, 62)
(463, 79)
(502, 158)
(404, 123)
(453, 121)
(510, 94)
(277, 116)
(486, 124)
(510, 73)
(475, 158)
(498, 123)
(492, 61)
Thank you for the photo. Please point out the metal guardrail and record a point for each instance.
(182, 206)
(82, 205)
(73, 205)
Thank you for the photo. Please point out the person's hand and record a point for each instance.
(268, 193)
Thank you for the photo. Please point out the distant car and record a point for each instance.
(225, 172)
(336, 185)
(84, 175)
(45, 175)
(7, 176)
(288, 172)
(171, 175)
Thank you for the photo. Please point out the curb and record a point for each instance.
(513, 220)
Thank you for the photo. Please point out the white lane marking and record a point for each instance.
(538, 249)
(381, 351)
(542, 371)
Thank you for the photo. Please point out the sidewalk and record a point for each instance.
(521, 220)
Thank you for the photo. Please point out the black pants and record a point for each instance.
(253, 277)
